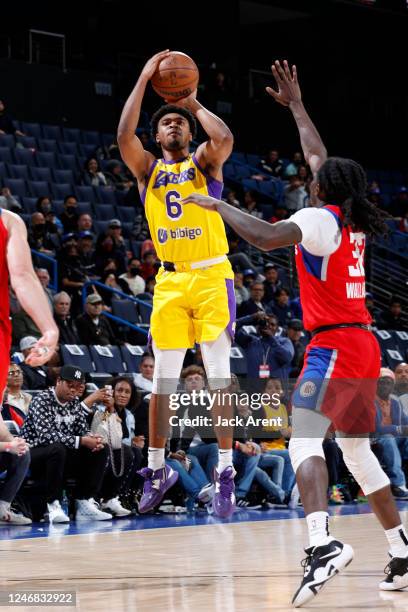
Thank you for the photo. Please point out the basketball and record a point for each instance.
(176, 77)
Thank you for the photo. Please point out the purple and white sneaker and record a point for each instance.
(156, 484)
(224, 498)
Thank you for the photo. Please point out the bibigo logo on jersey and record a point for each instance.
(189, 233)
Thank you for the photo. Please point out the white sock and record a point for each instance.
(4, 508)
(398, 541)
(318, 525)
(155, 458)
(224, 459)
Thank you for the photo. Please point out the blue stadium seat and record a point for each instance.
(266, 210)
(68, 161)
(58, 206)
(126, 213)
(127, 229)
(24, 156)
(83, 361)
(229, 171)
(68, 148)
(17, 186)
(268, 188)
(242, 172)
(46, 144)
(41, 174)
(46, 159)
(238, 157)
(253, 160)
(389, 350)
(398, 241)
(18, 171)
(101, 226)
(29, 204)
(61, 190)
(125, 309)
(3, 170)
(71, 135)
(26, 218)
(91, 138)
(135, 246)
(105, 195)
(250, 184)
(108, 139)
(64, 176)
(84, 207)
(120, 198)
(132, 357)
(31, 129)
(52, 132)
(145, 311)
(29, 142)
(401, 340)
(40, 189)
(103, 363)
(85, 193)
(7, 140)
(5, 155)
(105, 212)
(87, 150)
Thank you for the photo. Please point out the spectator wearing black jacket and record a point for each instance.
(69, 216)
(40, 239)
(255, 303)
(6, 122)
(271, 282)
(33, 377)
(93, 327)
(56, 430)
(392, 318)
(66, 325)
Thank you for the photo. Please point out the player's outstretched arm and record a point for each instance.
(212, 153)
(28, 289)
(289, 94)
(136, 158)
(263, 235)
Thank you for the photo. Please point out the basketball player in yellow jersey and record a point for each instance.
(194, 295)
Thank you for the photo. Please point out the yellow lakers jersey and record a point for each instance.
(183, 232)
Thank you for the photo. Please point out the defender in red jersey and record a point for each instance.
(338, 382)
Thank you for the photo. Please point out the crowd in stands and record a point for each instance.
(83, 211)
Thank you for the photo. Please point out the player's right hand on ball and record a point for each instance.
(152, 64)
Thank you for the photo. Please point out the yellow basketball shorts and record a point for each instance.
(194, 306)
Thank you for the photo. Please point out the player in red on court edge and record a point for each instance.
(16, 267)
(338, 382)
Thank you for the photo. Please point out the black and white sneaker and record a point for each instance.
(397, 575)
(321, 564)
(245, 504)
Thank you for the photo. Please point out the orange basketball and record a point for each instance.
(176, 77)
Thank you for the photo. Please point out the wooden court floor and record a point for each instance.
(236, 567)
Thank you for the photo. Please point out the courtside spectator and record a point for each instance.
(15, 461)
(15, 396)
(392, 429)
(57, 431)
(144, 379)
(401, 385)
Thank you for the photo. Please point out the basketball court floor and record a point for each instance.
(185, 563)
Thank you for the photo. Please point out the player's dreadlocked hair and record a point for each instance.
(344, 184)
(172, 108)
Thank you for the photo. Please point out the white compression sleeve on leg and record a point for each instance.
(167, 368)
(308, 431)
(216, 359)
(362, 463)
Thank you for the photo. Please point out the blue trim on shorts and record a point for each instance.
(307, 393)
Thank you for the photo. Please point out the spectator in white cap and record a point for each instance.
(392, 431)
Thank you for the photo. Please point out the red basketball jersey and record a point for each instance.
(332, 287)
(5, 324)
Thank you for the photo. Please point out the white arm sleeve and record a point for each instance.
(321, 234)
